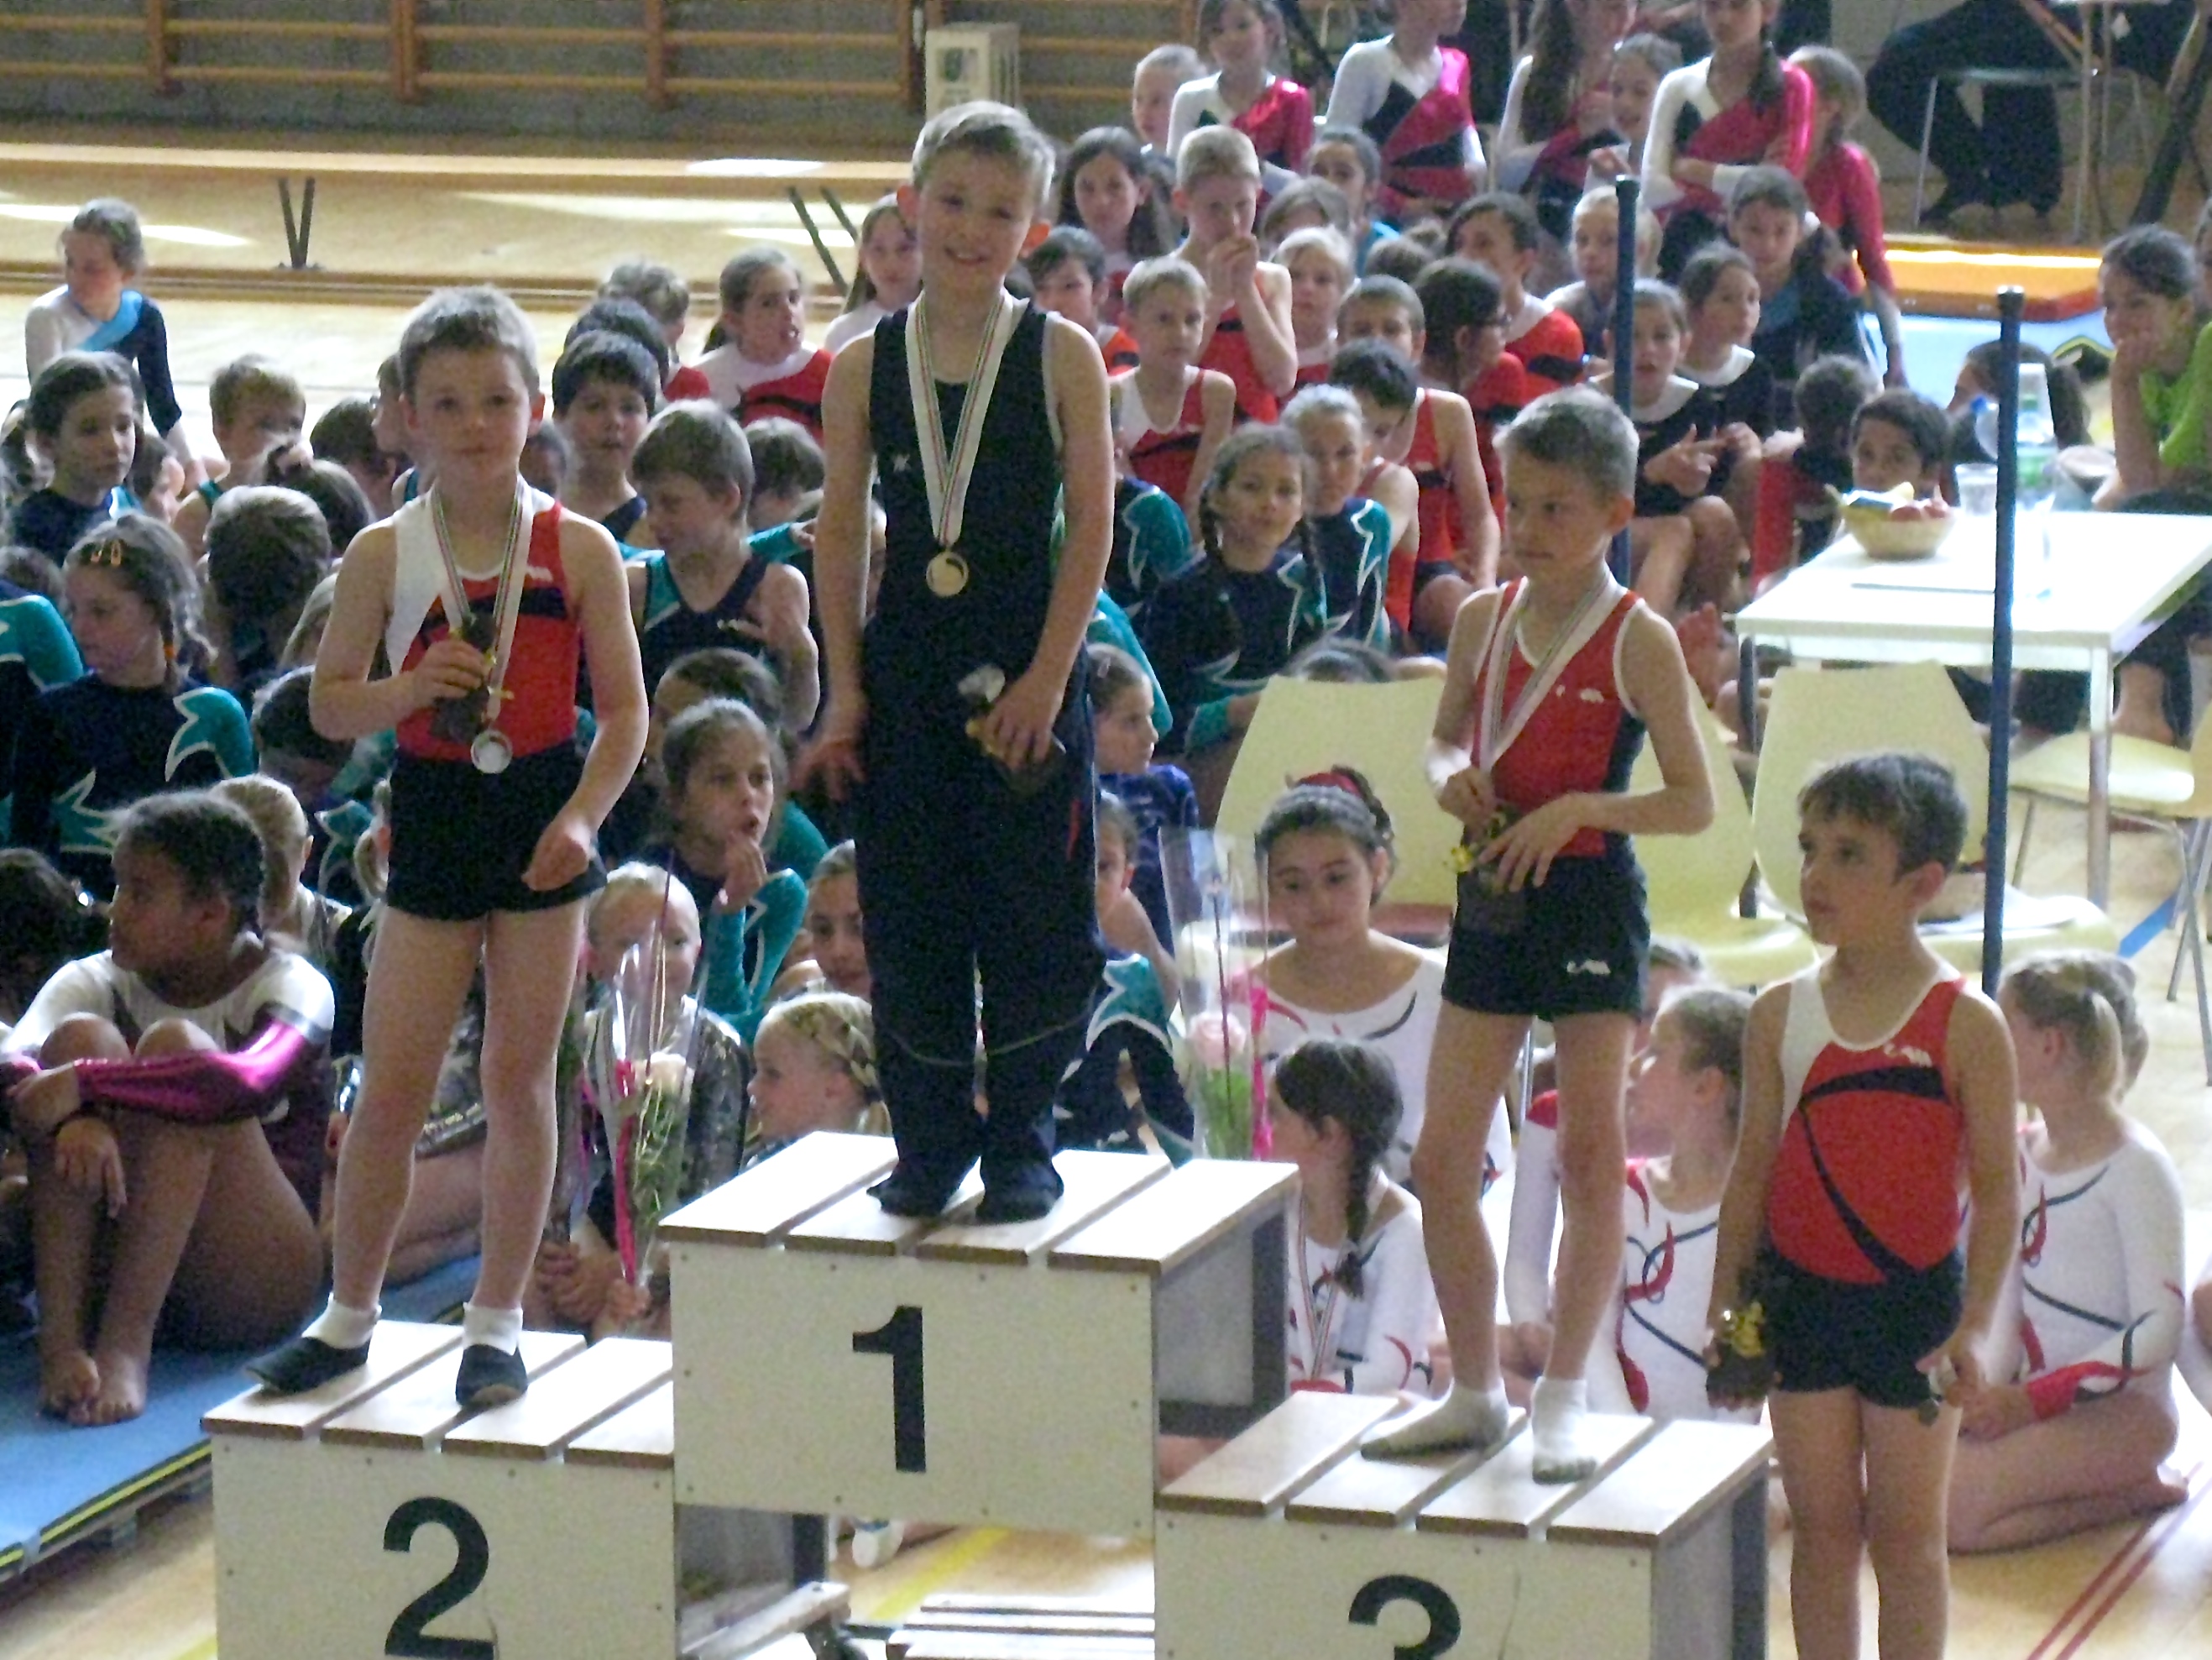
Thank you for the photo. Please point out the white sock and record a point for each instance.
(343, 1328)
(501, 1327)
(1556, 1411)
(1466, 1417)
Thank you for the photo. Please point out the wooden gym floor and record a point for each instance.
(385, 229)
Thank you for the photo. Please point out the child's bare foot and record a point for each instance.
(69, 1381)
(122, 1393)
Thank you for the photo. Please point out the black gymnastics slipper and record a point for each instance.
(303, 1364)
(489, 1377)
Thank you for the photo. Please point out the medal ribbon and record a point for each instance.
(947, 482)
(1495, 736)
(507, 606)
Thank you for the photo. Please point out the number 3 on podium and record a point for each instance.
(900, 1337)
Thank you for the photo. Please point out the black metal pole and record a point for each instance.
(1626, 194)
(2011, 302)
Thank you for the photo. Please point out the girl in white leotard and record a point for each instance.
(1326, 854)
(1362, 1311)
(2073, 1436)
(1687, 1084)
(1523, 1341)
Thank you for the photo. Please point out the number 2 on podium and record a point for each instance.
(900, 1337)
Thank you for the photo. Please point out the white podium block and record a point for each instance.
(1290, 1542)
(833, 1358)
(373, 1517)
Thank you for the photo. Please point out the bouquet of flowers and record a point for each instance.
(646, 1103)
(1220, 937)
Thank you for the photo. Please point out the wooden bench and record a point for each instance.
(373, 1517)
(1288, 1541)
(1014, 1376)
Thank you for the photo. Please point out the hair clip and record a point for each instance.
(110, 552)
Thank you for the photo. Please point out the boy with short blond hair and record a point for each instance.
(258, 413)
(1169, 413)
(961, 721)
(1248, 307)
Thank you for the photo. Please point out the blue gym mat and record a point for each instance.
(56, 1482)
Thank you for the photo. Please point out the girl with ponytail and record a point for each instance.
(2073, 1435)
(1362, 1310)
(1713, 118)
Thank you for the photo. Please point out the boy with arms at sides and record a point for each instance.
(1247, 301)
(1550, 684)
(961, 721)
(485, 596)
(1873, 1083)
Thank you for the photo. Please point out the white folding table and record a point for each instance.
(2109, 579)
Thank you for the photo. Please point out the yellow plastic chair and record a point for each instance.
(1818, 716)
(2160, 785)
(1694, 881)
(1304, 726)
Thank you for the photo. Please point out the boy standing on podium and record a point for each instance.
(957, 713)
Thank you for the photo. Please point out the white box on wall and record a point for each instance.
(968, 61)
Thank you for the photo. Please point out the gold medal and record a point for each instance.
(947, 574)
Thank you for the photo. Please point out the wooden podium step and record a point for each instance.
(1015, 1375)
(1288, 1541)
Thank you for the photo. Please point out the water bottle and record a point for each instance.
(2037, 442)
(2036, 438)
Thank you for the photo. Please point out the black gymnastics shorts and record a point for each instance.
(1580, 948)
(1830, 1334)
(461, 838)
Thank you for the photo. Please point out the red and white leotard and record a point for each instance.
(1688, 121)
(1889, 1133)
(1228, 350)
(539, 708)
(1420, 116)
(1549, 344)
(1162, 457)
(1279, 122)
(2100, 1275)
(1582, 738)
(750, 391)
